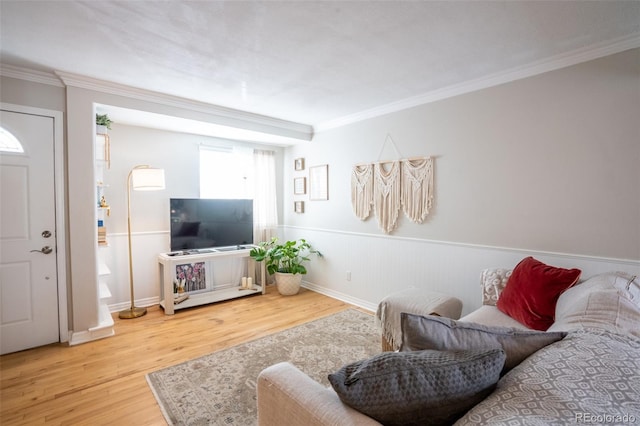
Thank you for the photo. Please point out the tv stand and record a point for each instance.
(169, 262)
(208, 250)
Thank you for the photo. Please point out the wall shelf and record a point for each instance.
(104, 328)
(104, 293)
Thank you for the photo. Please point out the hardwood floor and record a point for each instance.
(103, 382)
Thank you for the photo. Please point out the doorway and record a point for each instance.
(32, 294)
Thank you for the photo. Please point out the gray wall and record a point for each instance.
(546, 163)
(29, 93)
(545, 166)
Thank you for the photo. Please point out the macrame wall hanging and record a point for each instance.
(389, 186)
(362, 190)
(417, 188)
(386, 195)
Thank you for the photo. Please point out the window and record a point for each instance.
(226, 173)
(231, 172)
(9, 143)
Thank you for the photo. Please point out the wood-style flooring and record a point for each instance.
(103, 382)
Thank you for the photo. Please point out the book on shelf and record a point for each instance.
(180, 297)
(102, 235)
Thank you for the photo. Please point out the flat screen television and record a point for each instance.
(202, 223)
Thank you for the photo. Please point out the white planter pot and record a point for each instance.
(288, 284)
(101, 129)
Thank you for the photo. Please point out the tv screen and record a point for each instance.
(200, 223)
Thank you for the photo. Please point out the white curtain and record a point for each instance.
(265, 207)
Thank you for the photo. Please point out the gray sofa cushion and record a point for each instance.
(419, 388)
(432, 332)
(608, 301)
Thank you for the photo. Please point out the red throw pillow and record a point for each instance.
(532, 291)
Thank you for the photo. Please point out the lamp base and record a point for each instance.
(132, 312)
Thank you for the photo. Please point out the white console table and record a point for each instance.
(170, 263)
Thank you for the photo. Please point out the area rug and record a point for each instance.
(220, 388)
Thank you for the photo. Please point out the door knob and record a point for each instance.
(46, 234)
(43, 250)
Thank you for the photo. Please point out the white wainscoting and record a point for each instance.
(380, 265)
(146, 246)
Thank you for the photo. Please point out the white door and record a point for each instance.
(28, 276)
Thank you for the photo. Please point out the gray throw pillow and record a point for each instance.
(418, 388)
(444, 334)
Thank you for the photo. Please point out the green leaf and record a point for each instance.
(286, 257)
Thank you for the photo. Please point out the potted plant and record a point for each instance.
(103, 122)
(285, 262)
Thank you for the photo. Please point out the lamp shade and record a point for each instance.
(147, 179)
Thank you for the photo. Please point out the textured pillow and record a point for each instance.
(608, 301)
(444, 334)
(418, 388)
(493, 281)
(532, 292)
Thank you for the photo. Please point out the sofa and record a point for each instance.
(588, 370)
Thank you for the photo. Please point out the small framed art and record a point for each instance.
(191, 277)
(298, 206)
(300, 185)
(298, 164)
(319, 182)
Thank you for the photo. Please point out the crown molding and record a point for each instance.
(267, 124)
(30, 75)
(550, 64)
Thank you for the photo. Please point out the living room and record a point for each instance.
(539, 162)
(505, 133)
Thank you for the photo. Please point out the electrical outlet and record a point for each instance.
(348, 275)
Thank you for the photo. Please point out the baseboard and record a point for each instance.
(149, 301)
(79, 337)
(372, 307)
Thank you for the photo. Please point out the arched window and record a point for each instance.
(9, 143)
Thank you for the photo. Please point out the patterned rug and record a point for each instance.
(220, 388)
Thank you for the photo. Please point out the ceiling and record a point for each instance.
(310, 62)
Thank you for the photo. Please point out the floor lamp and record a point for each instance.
(141, 178)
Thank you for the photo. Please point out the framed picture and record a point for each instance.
(298, 206)
(300, 185)
(298, 164)
(319, 182)
(191, 276)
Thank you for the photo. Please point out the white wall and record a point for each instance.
(544, 165)
(178, 155)
(83, 247)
